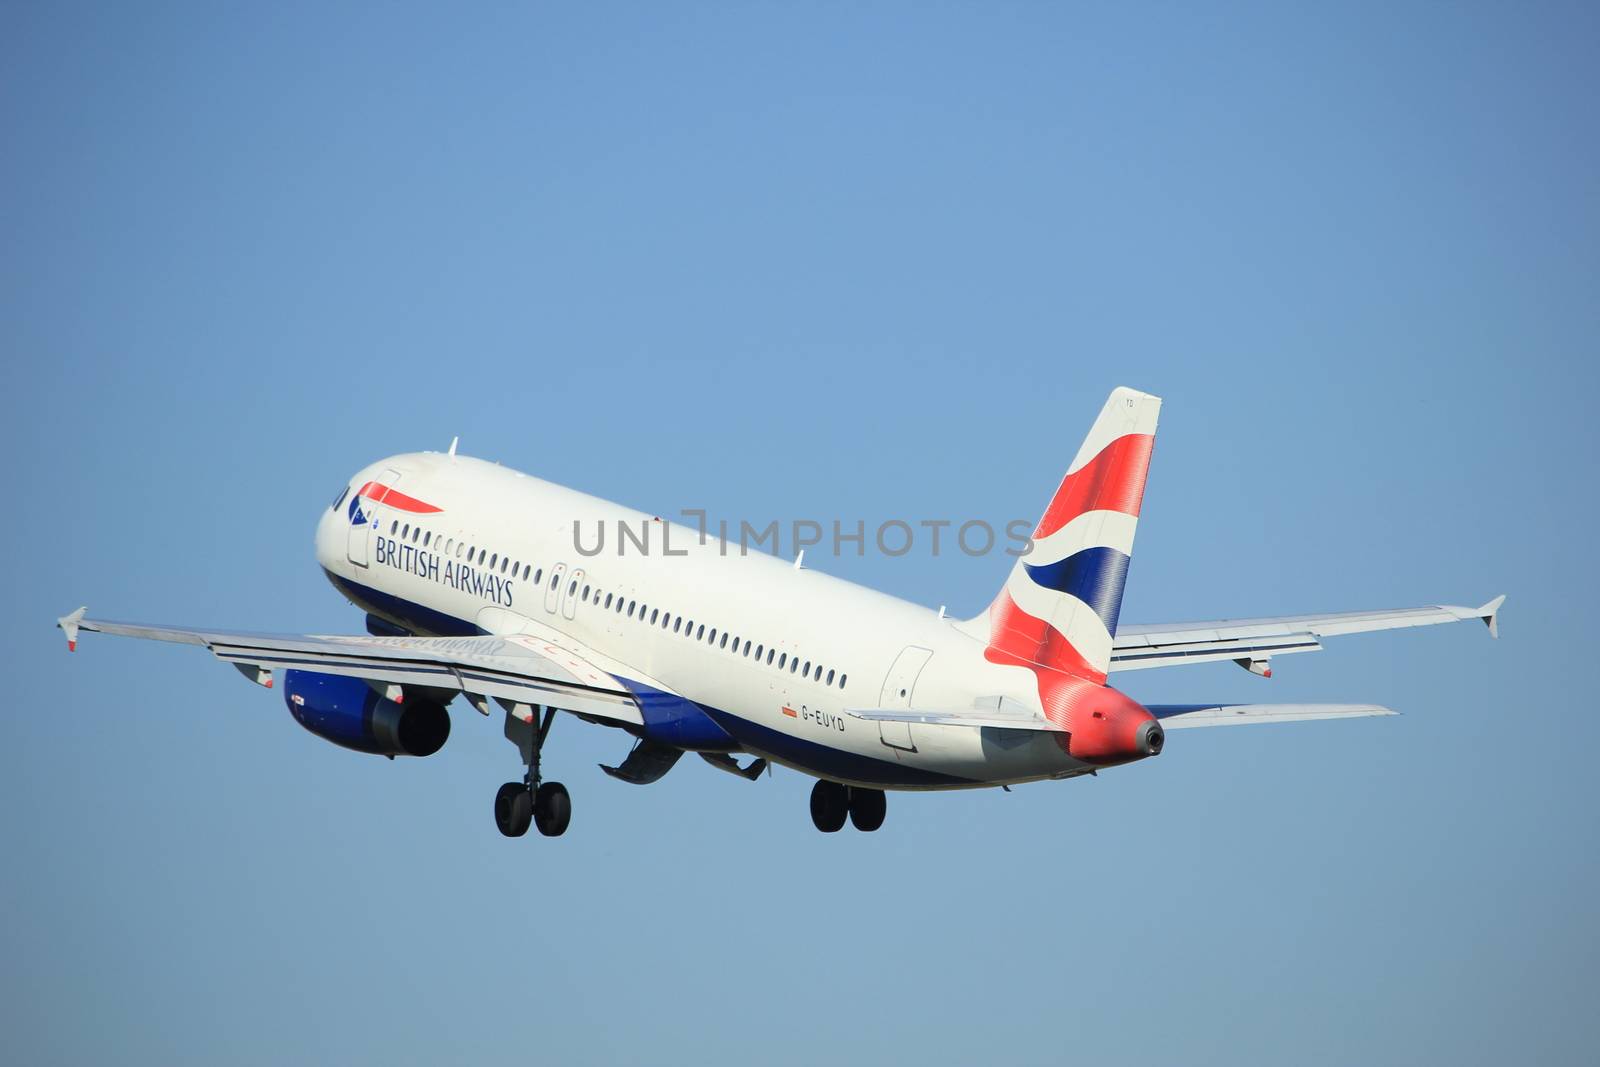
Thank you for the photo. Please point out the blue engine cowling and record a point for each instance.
(349, 712)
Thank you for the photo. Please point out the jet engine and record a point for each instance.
(349, 712)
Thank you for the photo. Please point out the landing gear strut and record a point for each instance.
(532, 801)
(832, 802)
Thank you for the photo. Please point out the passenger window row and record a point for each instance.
(721, 640)
(631, 609)
(449, 546)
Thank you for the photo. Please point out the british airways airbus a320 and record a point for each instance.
(472, 587)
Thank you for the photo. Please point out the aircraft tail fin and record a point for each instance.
(1059, 606)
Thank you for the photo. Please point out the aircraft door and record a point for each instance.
(552, 589)
(569, 595)
(898, 687)
(364, 518)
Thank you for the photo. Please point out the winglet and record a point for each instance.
(1490, 613)
(69, 625)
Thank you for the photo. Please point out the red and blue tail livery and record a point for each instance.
(1059, 607)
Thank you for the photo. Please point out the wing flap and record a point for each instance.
(1184, 716)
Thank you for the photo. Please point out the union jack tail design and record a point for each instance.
(1059, 607)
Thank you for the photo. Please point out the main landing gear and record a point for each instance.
(832, 802)
(531, 802)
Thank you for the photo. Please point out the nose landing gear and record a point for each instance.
(531, 801)
(832, 802)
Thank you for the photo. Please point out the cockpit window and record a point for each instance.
(340, 498)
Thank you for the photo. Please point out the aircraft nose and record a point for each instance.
(328, 528)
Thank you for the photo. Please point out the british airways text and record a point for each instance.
(459, 576)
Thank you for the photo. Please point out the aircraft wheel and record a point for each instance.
(829, 805)
(867, 809)
(513, 809)
(552, 809)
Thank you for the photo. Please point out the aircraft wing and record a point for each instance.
(521, 672)
(1252, 642)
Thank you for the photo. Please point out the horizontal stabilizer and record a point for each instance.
(1183, 716)
(997, 718)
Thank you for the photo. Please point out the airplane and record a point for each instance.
(472, 586)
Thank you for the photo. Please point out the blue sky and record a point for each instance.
(807, 262)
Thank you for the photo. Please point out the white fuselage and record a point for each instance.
(792, 649)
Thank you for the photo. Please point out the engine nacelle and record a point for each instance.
(349, 712)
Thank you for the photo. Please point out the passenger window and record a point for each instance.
(818, 676)
(758, 651)
(405, 531)
(725, 643)
(842, 678)
(654, 612)
(527, 569)
(783, 659)
(493, 560)
(794, 664)
(572, 587)
(586, 594)
(677, 624)
(830, 678)
(700, 634)
(747, 649)
(393, 526)
(807, 671)
(608, 601)
(631, 603)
